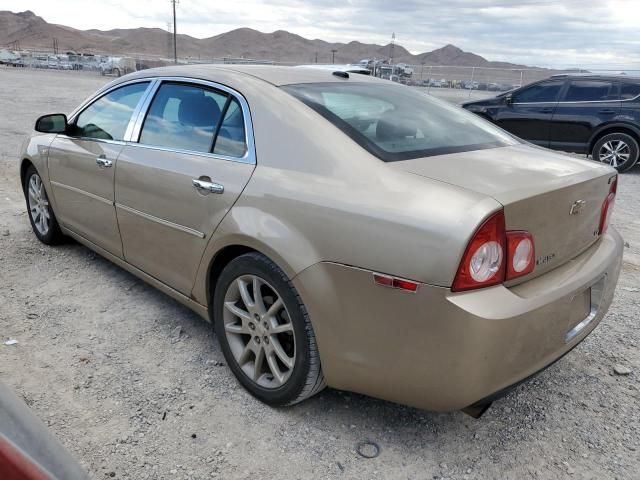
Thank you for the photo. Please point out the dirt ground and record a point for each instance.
(98, 362)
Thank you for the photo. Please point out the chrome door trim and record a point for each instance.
(161, 221)
(142, 106)
(82, 192)
(137, 119)
(189, 152)
(102, 92)
(90, 139)
(249, 156)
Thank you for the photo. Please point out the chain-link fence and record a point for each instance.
(454, 83)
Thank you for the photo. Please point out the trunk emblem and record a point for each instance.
(577, 206)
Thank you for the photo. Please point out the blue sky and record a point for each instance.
(560, 33)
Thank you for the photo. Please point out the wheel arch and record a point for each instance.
(614, 128)
(227, 253)
(24, 166)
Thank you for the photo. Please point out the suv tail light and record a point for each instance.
(494, 255)
(607, 206)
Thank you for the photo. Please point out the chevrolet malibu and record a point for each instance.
(336, 229)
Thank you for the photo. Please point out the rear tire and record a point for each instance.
(619, 150)
(43, 220)
(267, 339)
(116, 72)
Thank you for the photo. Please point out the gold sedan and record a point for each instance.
(336, 229)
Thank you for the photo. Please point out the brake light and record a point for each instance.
(482, 264)
(607, 206)
(521, 254)
(494, 255)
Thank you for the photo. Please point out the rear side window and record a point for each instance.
(539, 93)
(629, 90)
(183, 117)
(592, 91)
(108, 117)
(395, 122)
(231, 136)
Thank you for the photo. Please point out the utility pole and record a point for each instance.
(175, 33)
(391, 47)
(333, 55)
(316, 57)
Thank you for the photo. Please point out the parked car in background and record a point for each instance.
(116, 66)
(337, 229)
(591, 114)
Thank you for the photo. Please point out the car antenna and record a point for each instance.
(341, 74)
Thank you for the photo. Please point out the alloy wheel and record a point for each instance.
(615, 153)
(39, 205)
(259, 331)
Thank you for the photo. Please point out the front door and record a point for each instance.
(529, 113)
(175, 185)
(82, 165)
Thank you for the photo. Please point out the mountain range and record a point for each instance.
(26, 30)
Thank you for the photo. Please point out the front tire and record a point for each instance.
(43, 220)
(265, 332)
(619, 150)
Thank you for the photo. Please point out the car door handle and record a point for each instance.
(205, 186)
(546, 110)
(103, 162)
(606, 111)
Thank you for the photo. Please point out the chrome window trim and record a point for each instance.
(91, 139)
(249, 156)
(82, 192)
(102, 92)
(161, 221)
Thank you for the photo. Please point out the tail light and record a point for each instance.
(494, 255)
(607, 206)
(483, 261)
(521, 254)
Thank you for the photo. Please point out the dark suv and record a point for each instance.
(591, 114)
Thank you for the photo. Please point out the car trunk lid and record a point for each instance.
(558, 199)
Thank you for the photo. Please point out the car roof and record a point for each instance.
(610, 76)
(273, 74)
(338, 68)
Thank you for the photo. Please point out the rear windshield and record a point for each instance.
(395, 122)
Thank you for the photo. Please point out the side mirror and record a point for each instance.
(54, 123)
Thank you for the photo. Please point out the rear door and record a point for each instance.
(191, 156)
(529, 114)
(586, 105)
(82, 165)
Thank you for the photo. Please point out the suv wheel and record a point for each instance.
(618, 150)
(265, 332)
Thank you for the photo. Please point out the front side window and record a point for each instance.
(183, 117)
(541, 93)
(108, 117)
(591, 91)
(394, 122)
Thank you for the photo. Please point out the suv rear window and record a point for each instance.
(395, 122)
(629, 90)
(591, 91)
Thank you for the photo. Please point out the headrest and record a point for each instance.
(198, 111)
(393, 126)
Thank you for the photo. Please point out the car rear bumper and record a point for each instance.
(439, 350)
